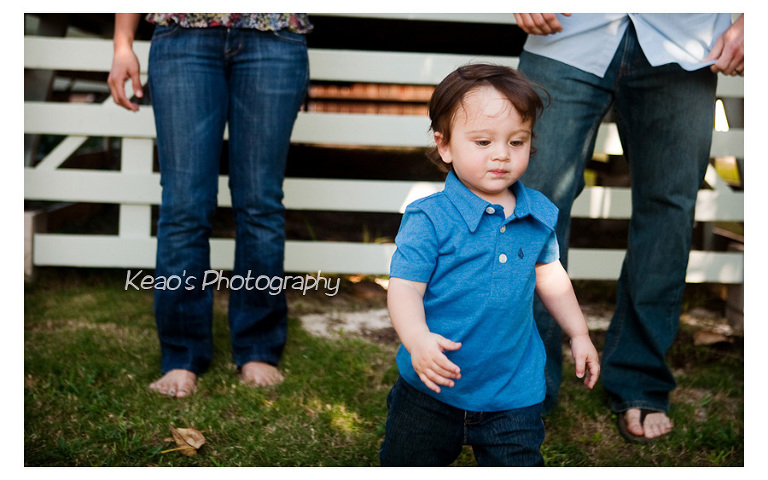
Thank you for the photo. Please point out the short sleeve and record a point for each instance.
(417, 248)
(551, 250)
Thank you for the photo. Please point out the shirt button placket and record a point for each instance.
(503, 257)
(490, 211)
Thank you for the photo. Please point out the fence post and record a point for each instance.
(136, 157)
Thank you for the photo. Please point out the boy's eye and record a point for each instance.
(482, 143)
(517, 143)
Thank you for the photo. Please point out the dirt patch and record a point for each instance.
(367, 323)
(359, 309)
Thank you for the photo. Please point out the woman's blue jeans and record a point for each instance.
(665, 117)
(424, 432)
(201, 80)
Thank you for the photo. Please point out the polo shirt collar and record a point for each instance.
(472, 208)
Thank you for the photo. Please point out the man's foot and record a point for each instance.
(259, 374)
(643, 425)
(175, 383)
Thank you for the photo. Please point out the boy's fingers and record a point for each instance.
(426, 381)
(440, 371)
(440, 365)
(440, 379)
(448, 344)
(580, 367)
(433, 381)
(448, 367)
(594, 373)
(443, 368)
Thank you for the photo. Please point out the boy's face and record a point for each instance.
(489, 144)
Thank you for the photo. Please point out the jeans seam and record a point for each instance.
(163, 31)
(465, 436)
(292, 37)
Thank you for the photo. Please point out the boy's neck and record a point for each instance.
(509, 202)
(506, 199)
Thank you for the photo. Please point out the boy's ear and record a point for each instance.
(442, 148)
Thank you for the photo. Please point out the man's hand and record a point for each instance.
(539, 23)
(729, 50)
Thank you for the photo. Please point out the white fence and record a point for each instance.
(136, 188)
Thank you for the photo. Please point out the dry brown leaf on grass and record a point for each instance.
(188, 440)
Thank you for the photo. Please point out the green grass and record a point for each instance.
(90, 350)
(707, 410)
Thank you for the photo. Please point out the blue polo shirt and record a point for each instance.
(479, 270)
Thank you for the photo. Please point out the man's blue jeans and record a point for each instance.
(424, 432)
(665, 117)
(200, 80)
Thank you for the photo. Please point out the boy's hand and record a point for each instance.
(430, 362)
(587, 361)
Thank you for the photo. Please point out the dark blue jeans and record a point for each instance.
(665, 117)
(201, 80)
(424, 432)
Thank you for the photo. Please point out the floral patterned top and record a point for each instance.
(295, 22)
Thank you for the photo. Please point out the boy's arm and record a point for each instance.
(556, 293)
(405, 299)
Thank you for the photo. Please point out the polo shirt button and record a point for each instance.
(503, 258)
(503, 228)
(490, 210)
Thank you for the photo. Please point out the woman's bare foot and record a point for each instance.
(175, 383)
(259, 374)
(654, 425)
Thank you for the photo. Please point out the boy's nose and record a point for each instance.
(501, 154)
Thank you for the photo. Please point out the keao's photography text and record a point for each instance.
(217, 280)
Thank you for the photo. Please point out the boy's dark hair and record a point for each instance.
(449, 96)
